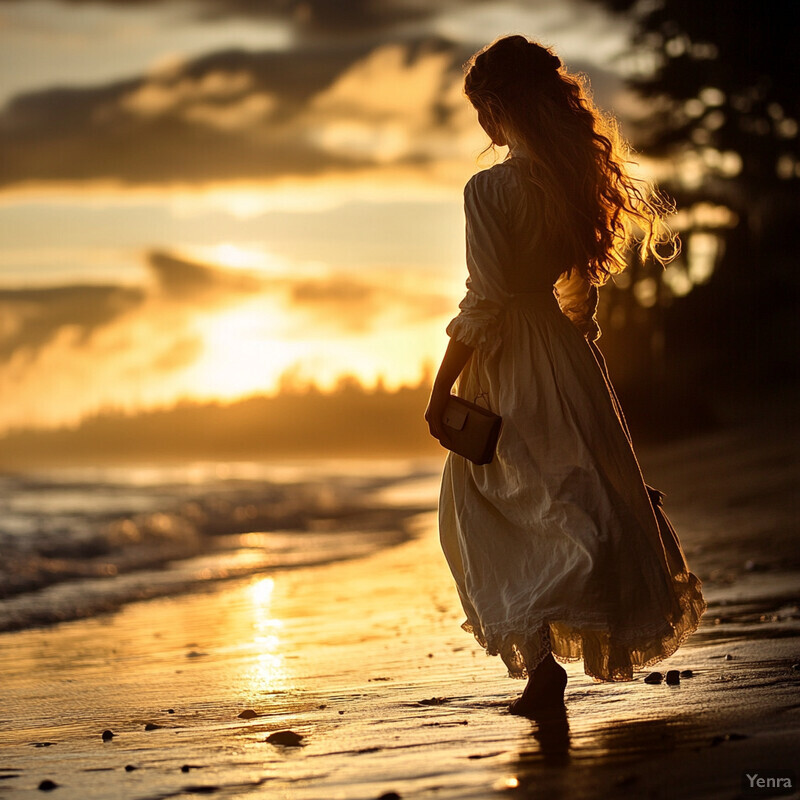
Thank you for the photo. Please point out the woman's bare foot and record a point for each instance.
(544, 692)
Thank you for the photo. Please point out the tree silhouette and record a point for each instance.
(718, 108)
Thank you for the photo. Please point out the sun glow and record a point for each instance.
(244, 351)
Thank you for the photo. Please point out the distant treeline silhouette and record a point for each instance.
(351, 421)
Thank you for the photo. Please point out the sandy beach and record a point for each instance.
(365, 660)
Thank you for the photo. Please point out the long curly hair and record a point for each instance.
(593, 209)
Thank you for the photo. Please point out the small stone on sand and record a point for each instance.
(286, 738)
(728, 657)
(170, 711)
(47, 785)
(248, 713)
(42, 744)
(687, 673)
(796, 667)
(654, 677)
(108, 735)
(390, 796)
(130, 768)
(151, 726)
(673, 677)
(434, 701)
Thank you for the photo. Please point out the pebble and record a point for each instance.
(673, 677)
(248, 713)
(170, 711)
(390, 796)
(108, 736)
(130, 768)
(796, 667)
(687, 673)
(151, 726)
(286, 738)
(47, 785)
(434, 701)
(654, 677)
(728, 657)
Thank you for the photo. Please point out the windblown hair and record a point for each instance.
(593, 209)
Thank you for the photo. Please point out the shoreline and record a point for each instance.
(365, 659)
(389, 697)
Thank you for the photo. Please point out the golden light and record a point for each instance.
(236, 257)
(269, 672)
(243, 351)
(509, 782)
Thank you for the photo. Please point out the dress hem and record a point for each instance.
(608, 656)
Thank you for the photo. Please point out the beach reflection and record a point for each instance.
(543, 758)
(269, 673)
(555, 761)
(551, 731)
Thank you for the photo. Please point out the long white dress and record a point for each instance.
(557, 545)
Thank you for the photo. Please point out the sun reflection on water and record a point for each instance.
(269, 673)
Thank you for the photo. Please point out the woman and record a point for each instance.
(557, 546)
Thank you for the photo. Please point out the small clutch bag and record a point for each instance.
(472, 431)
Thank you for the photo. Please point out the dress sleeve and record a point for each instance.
(488, 249)
(578, 301)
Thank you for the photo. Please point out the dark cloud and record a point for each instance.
(330, 16)
(231, 115)
(33, 317)
(184, 280)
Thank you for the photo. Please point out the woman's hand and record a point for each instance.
(455, 359)
(435, 412)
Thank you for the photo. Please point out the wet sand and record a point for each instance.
(366, 661)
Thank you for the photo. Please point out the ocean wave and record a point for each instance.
(77, 543)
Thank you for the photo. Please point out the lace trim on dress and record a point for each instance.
(607, 655)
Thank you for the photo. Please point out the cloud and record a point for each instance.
(220, 99)
(343, 17)
(30, 318)
(197, 330)
(184, 280)
(241, 115)
(354, 305)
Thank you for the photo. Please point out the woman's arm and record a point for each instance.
(455, 359)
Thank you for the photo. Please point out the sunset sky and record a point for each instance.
(212, 199)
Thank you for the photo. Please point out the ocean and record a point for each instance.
(83, 541)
